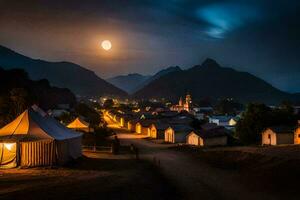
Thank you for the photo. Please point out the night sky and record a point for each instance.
(258, 36)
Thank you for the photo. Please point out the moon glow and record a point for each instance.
(106, 45)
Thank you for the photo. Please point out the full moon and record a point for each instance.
(106, 45)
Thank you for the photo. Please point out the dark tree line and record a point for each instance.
(18, 92)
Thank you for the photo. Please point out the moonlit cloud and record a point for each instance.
(226, 17)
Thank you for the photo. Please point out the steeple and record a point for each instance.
(180, 102)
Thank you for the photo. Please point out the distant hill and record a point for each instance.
(158, 75)
(212, 80)
(134, 82)
(128, 82)
(62, 74)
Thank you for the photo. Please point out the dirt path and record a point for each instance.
(194, 178)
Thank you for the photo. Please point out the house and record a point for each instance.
(143, 127)
(233, 121)
(211, 137)
(80, 125)
(167, 114)
(147, 116)
(278, 135)
(297, 135)
(131, 124)
(126, 119)
(199, 115)
(220, 120)
(122, 121)
(33, 140)
(177, 133)
(157, 130)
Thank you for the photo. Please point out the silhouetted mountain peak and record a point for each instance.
(213, 81)
(210, 63)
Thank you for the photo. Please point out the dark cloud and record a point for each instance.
(258, 36)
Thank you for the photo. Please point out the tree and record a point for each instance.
(4, 110)
(254, 120)
(20, 100)
(258, 117)
(89, 113)
(228, 107)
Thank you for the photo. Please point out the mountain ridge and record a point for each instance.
(212, 80)
(128, 82)
(80, 80)
(134, 81)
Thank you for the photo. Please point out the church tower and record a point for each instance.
(180, 103)
(188, 102)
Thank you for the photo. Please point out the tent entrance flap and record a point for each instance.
(8, 155)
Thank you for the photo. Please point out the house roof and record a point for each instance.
(146, 122)
(222, 118)
(283, 129)
(218, 132)
(208, 126)
(181, 128)
(160, 125)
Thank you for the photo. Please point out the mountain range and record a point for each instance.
(61, 74)
(211, 80)
(134, 82)
(208, 80)
(128, 83)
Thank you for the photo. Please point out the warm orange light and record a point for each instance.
(9, 146)
(106, 45)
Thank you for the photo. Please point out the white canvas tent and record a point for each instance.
(79, 124)
(37, 140)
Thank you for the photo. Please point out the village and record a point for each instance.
(185, 123)
(149, 100)
(62, 143)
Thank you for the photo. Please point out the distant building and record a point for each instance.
(143, 127)
(157, 130)
(220, 120)
(183, 105)
(177, 133)
(278, 135)
(297, 135)
(212, 137)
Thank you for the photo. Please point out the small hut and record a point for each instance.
(157, 130)
(177, 133)
(278, 135)
(131, 124)
(212, 137)
(80, 125)
(143, 127)
(35, 140)
(297, 135)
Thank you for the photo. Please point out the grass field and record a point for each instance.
(273, 170)
(95, 176)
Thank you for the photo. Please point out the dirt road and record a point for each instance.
(194, 178)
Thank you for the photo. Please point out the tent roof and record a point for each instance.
(33, 124)
(78, 123)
